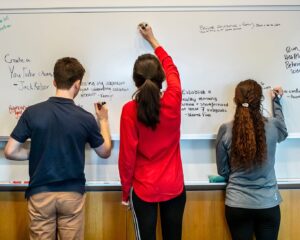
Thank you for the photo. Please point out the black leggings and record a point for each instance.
(243, 223)
(145, 217)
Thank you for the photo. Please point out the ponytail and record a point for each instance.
(148, 77)
(248, 148)
(148, 103)
(243, 150)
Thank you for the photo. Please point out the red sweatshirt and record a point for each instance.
(149, 160)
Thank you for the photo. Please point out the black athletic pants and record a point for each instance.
(244, 223)
(145, 217)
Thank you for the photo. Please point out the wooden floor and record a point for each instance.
(107, 219)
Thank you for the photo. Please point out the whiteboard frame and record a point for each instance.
(34, 4)
(153, 8)
(116, 137)
(116, 185)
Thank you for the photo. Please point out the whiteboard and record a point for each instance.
(213, 50)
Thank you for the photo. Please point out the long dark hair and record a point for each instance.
(148, 76)
(248, 133)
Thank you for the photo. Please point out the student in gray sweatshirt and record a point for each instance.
(245, 151)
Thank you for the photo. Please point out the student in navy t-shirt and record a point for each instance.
(59, 130)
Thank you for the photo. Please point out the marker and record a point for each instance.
(143, 25)
(99, 105)
(276, 93)
(16, 182)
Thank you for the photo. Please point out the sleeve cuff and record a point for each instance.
(18, 139)
(125, 197)
(98, 143)
(277, 99)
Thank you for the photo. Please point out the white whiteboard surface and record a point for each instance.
(213, 50)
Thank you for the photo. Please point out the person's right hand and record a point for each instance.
(146, 32)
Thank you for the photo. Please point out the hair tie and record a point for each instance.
(245, 105)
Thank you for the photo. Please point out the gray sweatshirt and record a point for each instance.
(255, 188)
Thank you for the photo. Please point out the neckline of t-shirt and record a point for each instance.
(61, 99)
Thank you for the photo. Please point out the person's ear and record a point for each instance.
(54, 83)
(77, 84)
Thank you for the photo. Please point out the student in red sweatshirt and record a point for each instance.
(149, 160)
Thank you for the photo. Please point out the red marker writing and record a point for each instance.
(16, 182)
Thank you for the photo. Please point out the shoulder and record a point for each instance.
(225, 132)
(35, 108)
(129, 108)
(84, 115)
(38, 105)
(129, 113)
(225, 127)
(83, 111)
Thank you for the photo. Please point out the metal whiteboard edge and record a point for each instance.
(195, 186)
(116, 137)
(157, 8)
(136, 3)
(280, 181)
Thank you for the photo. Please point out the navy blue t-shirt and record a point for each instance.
(58, 130)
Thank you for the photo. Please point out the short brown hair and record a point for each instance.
(67, 70)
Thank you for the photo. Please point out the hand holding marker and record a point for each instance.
(99, 105)
(277, 92)
(101, 111)
(143, 25)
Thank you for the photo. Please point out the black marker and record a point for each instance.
(143, 25)
(277, 94)
(99, 105)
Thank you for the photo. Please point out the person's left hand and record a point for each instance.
(102, 112)
(277, 91)
(126, 204)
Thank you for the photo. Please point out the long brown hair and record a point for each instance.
(248, 147)
(148, 76)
